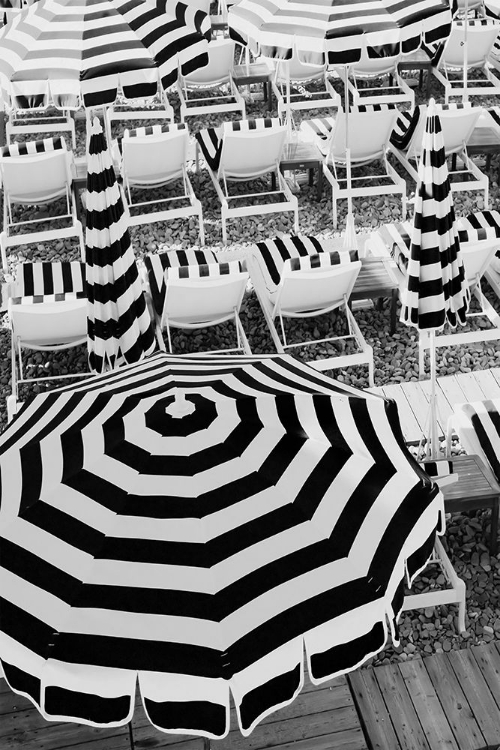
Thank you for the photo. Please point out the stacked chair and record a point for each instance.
(192, 290)
(32, 174)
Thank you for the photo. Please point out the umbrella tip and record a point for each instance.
(180, 407)
(96, 125)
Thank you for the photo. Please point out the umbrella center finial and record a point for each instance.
(180, 406)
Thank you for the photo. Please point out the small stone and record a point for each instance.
(446, 645)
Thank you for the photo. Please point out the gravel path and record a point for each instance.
(396, 359)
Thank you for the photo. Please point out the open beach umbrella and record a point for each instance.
(338, 31)
(194, 525)
(436, 292)
(61, 51)
(119, 324)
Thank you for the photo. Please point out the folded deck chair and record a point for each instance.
(36, 173)
(392, 88)
(310, 86)
(156, 157)
(50, 112)
(457, 122)
(370, 127)
(193, 289)
(479, 236)
(481, 36)
(246, 151)
(298, 277)
(214, 81)
(47, 311)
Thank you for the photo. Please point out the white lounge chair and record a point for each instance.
(477, 248)
(36, 173)
(192, 290)
(47, 311)
(154, 157)
(457, 122)
(310, 86)
(369, 129)
(215, 81)
(245, 151)
(393, 89)
(47, 113)
(481, 36)
(297, 277)
(155, 107)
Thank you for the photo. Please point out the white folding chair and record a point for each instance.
(392, 88)
(195, 292)
(215, 81)
(293, 280)
(50, 112)
(369, 129)
(457, 122)
(154, 157)
(47, 311)
(36, 173)
(481, 36)
(310, 86)
(246, 151)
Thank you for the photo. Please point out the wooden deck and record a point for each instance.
(413, 398)
(447, 701)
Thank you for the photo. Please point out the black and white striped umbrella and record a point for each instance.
(120, 330)
(436, 292)
(63, 50)
(194, 523)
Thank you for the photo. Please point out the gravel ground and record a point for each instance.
(396, 359)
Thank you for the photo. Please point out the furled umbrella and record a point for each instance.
(194, 524)
(338, 31)
(436, 292)
(120, 329)
(63, 51)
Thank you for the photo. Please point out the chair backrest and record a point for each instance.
(35, 171)
(298, 71)
(481, 35)
(220, 64)
(477, 256)
(55, 324)
(316, 282)
(154, 153)
(373, 67)
(45, 277)
(248, 153)
(457, 123)
(369, 131)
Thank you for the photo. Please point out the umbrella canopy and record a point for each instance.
(195, 523)
(119, 324)
(436, 292)
(61, 50)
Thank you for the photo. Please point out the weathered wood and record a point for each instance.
(372, 710)
(488, 660)
(454, 702)
(350, 739)
(401, 710)
(427, 705)
(475, 687)
(58, 736)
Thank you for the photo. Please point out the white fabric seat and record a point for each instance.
(369, 70)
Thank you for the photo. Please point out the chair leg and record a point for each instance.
(3, 249)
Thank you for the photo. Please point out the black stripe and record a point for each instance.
(88, 707)
(345, 656)
(274, 692)
(192, 716)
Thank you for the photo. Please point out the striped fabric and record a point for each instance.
(45, 298)
(210, 140)
(482, 225)
(321, 260)
(319, 129)
(29, 148)
(437, 468)
(159, 264)
(436, 291)
(484, 418)
(201, 557)
(43, 278)
(205, 271)
(397, 237)
(95, 48)
(146, 130)
(406, 123)
(119, 324)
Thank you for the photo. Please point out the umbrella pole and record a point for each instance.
(350, 242)
(433, 433)
(465, 97)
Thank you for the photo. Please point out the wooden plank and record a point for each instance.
(427, 705)
(495, 372)
(475, 687)
(443, 407)
(487, 657)
(58, 736)
(418, 403)
(410, 426)
(351, 739)
(454, 702)
(470, 386)
(489, 386)
(450, 386)
(401, 709)
(372, 710)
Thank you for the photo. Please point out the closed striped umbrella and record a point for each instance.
(194, 524)
(436, 292)
(62, 50)
(119, 324)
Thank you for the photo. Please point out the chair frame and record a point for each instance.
(66, 190)
(272, 309)
(297, 101)
(120, 112)
(376, 69)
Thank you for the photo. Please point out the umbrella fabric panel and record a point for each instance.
(436, 291)
(72, 48)
(339, 31)
(119, 324)
(202, 552)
